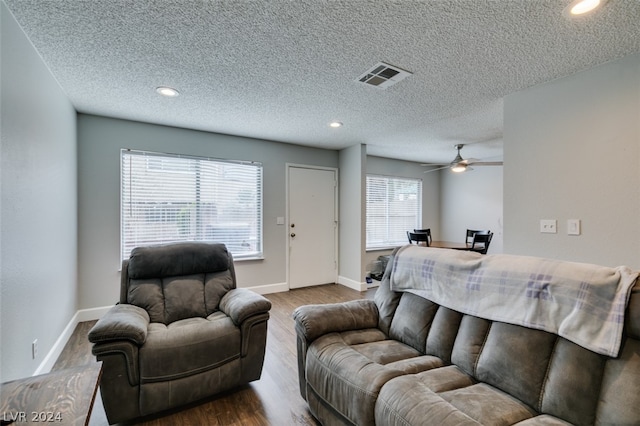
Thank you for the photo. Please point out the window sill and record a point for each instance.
(385, 248)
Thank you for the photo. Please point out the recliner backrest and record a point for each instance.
(177, 281)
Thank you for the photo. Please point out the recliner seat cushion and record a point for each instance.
(335, 368)
(488, 405)
(407, 400)
(187, 347)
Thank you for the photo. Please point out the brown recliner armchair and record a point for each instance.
(181, 332)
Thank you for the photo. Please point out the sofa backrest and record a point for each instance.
(551, 374)
(177, 281)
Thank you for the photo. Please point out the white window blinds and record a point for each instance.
(169, 198)
(393, 208)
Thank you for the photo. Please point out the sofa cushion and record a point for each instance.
(442, 335)
(515, 359)
(488, 405)
(573, 383)
(412, 321)
(216, 285)
(445, 379)
(147, 294)
(543, 420)
(335, 369)
(619, 402)
(183, 297)
(386, 351)
(367, 335)
(178, 297)
(405, 401)
(187, 347)
(469, 341)
(416, 364)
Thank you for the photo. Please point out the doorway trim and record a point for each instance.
(288, 167)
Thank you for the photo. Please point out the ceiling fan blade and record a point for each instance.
(487, 163)
(442, 166)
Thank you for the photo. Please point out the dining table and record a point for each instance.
(450, 245)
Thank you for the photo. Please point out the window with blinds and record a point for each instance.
(394, 206)
(169, 198)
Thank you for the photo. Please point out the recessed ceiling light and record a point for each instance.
(580, 7)
(167, 91)
(335, 124)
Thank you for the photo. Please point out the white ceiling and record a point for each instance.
(283, 69)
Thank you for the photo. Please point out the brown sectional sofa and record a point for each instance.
(401, 359)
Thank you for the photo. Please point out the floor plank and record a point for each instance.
(273, 400)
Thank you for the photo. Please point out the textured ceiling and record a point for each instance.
(282, 70)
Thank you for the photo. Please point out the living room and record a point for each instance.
(571, 150)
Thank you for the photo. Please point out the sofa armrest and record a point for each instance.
(119, 359)
(242, 303)
(122, 322)
(312, 321)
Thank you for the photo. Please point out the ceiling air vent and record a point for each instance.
(383, 75)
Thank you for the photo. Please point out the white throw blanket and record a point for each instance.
(581, 302)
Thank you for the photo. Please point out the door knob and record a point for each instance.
(293, 235)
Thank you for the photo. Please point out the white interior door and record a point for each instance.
(312, 228)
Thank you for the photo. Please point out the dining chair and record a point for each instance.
(482, 239)
(424, 231)
(420, 238)
(472, 232)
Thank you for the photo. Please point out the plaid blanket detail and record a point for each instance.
(581, 302)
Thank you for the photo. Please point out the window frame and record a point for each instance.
(155, 159)
(388, 242)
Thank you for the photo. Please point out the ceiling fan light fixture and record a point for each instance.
(458, 167)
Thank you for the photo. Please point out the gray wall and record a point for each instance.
(38, 208)
(352, 203)
(99, 142)
(572, 150)
(472, 200)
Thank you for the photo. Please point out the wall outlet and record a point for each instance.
(548, 226)
(34, 349)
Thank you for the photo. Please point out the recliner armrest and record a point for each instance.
(122, 322)
(242, 303)
(312, 321)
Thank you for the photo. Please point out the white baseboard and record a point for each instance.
(80, 316)
(352, 284)
(96, 313)
(270, 288)
(92, 314)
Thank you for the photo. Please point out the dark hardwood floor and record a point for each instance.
(273, 400)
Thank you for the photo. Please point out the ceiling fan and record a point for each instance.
(459, 164)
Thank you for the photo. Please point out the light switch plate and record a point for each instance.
(548, 226)
(573, 227)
